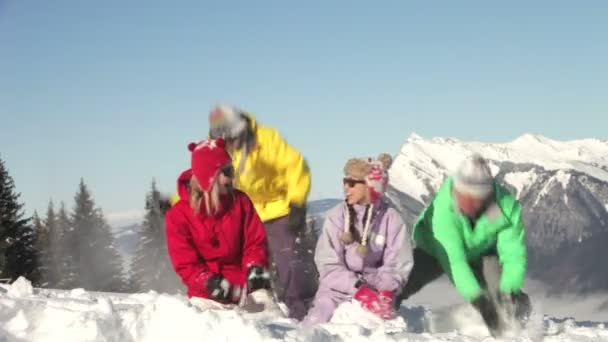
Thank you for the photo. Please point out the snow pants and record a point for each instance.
(325, 304)
(295, 280)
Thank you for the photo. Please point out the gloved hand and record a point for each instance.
(378, 303)
(488, 312)
(297, 218)
(219, 288)
(258, 278)
(387, 302)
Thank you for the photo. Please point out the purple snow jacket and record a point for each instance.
(386, 266)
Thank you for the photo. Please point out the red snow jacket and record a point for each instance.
(228, 243)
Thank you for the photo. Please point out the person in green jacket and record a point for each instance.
(472, 218)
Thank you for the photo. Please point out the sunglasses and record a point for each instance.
(352, 182)
(228, 171)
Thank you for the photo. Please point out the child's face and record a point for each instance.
(469, 205)
(225, 179)
(356, 190)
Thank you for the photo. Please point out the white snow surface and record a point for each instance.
(520, 180)
(28, 314)
(430, 160)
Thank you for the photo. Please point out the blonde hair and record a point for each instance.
(211, 199)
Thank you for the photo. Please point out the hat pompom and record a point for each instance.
(362, 250)
(385, 160)
(347, 237)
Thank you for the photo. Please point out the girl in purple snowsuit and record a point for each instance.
(364, 251)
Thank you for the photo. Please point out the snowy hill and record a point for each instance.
(28, 314)
(563, 187)
(317, 211)
(320, 207)
(125, 241)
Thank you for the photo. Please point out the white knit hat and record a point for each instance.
(474, 177)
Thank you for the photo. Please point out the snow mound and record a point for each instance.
(28, 314)
(20, 288)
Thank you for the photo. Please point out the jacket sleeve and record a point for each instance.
(511, 248)
(185, 259)
(291, 165)
(255, 248)
(329, 258)
(398, 259)
(451, 254)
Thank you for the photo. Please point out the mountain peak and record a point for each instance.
(414, 137)
(532, 138)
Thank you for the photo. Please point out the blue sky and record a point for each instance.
(112, 91)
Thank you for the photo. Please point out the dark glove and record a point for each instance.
(218, 287)
(522, 305)
(297, 218)
(488, 312)
(258, 278)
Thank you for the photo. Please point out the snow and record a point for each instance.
(562, 178)
(20, 288)
(28, 314)
(519, 180)
(429, 160)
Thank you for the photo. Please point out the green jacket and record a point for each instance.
(447, 235)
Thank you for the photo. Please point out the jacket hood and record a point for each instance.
(183, 182)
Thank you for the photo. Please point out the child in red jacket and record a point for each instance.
(215, 238)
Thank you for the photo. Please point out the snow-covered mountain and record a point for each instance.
(563, 187)
(316, 212)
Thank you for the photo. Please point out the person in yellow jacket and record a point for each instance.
(277, 179)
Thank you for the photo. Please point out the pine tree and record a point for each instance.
(99, 263)
(112, 274)
(53, 257)
(151, 268)
(41, 231)
(18, 254)
(64, 242)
